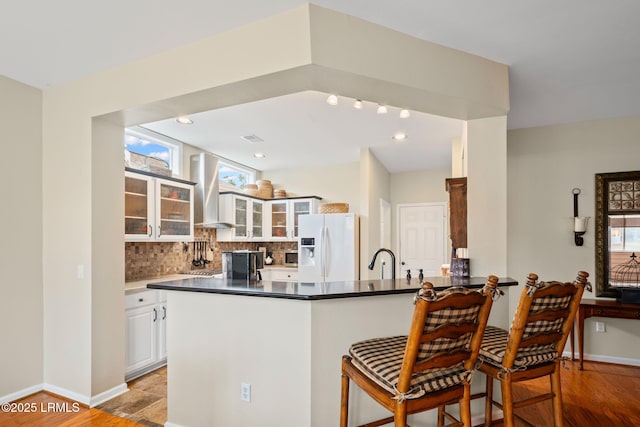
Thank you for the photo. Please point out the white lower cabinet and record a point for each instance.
(146, 349)
(284, 274)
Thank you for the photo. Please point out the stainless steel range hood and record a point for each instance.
(204, 172)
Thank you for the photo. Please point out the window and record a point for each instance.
(147, 150)
(234, 176)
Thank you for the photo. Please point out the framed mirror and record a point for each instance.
(617, 232)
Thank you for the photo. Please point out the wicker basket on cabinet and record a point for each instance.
(328, 208)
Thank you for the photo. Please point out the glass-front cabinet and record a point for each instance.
(279, 219)
(175, 208)
(246, 214)
(157, 208)
(261, 220)
(138, 206)
(284, 217)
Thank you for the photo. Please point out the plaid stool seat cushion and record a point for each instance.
(494, 345)
(381, 358)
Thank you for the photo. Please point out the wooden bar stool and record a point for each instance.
(430, 367)
(533, 347)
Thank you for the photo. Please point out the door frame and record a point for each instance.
(445, 219)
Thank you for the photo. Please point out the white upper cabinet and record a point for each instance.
(157, 209)
(258, 220)
(283, 216)
(246, 213)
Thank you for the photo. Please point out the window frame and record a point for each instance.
(253, 173)
(175, 147)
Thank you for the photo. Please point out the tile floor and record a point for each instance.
(145, 402)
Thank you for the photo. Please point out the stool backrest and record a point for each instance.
(543, 319)
(446, 329)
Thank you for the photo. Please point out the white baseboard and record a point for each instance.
(168, 424)
(21, 393)
(91, 402)
(606, 359)
(81, 398)
(108, 394)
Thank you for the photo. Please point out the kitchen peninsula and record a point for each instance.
(284, 339)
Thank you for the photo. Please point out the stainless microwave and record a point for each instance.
(291, 258)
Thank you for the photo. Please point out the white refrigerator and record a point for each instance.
(328, 247)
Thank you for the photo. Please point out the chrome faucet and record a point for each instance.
(393, 261)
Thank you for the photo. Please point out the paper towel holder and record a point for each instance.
(579, 222)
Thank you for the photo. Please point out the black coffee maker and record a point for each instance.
(242, 265)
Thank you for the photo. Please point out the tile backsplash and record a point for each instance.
(145, 260)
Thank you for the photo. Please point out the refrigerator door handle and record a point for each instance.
(325, 248)
(322, 252)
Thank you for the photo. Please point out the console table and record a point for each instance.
(601, 308)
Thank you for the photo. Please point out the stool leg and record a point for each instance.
(441, 415)
(488, 402)
(558, 419)
(465, 406)
(507, 401)
(344, 401)
(400, 415)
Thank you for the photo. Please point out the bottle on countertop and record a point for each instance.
(421, 276)
(408, 275)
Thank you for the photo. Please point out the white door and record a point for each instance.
(422, 238)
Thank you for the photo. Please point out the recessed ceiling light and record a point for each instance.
(183, 120)
(382, 109)
(332, 100)
(399, 136)
(404, 114)
(259, 155)
(357, 104)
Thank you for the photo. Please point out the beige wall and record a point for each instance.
(427, 186)
(107, 330)
(21, 248)
(487, 195)
(375, 183)
(544, 165)
(334, 183)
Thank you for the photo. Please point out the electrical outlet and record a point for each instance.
(600, 327)
(245, 392)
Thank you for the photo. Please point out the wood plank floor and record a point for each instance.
(601, 395)
(48, 410)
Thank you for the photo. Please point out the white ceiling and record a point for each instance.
(569, 60)
(301, 130)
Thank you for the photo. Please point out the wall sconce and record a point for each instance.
(579, 222)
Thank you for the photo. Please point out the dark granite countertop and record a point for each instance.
(318, 290)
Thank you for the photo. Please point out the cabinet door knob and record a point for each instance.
(150, 230)
(155, 314)
(140, 299)
(164, 312)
